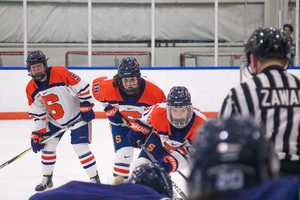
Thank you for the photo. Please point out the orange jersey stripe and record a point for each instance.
(88, 92)
(48, 157)
(88, 160)
(121, 170)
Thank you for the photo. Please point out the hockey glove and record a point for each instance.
(134, 136)
(113, 114)
(36, 138)
(169, 163)
(86, 111)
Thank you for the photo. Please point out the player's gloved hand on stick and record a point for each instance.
(113, 114)
(169, 163)
(36, 138)
(134, 136)
(86, 111)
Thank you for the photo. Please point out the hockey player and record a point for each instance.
(125, 96)
(170, 128)
(234, 160)
(147, 182)
(271, 97)
(57, 98)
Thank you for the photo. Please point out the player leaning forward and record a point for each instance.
(126, 95)
(172, 127)
(58, 98)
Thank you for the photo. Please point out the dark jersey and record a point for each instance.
(77, 190)
(279, 189)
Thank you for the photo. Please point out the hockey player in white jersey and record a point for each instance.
(58, 98)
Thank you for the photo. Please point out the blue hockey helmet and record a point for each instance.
(129, 67)
(230, 155)
(154, 176)
(267, 43)
(34, 58)
(179, 106)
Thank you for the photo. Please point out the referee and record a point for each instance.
(271, 97)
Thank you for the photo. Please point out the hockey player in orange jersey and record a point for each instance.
(126, 95)
(168, 130)
(58, 98)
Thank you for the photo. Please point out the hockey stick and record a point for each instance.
(177, 188)
(42, 142)
(128, 124)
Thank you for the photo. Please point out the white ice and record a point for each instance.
(18, 179)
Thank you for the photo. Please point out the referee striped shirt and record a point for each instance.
(272, 98)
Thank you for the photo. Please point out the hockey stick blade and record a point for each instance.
(42, 142)
(177, 188)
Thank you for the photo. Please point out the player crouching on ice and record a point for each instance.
(169, 128)
(58, 99)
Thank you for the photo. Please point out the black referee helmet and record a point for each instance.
(267, 43)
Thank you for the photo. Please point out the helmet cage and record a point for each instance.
(129, 67)
(179, 97)
(179, 122)
(34, 58)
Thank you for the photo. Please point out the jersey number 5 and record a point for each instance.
(56, 110)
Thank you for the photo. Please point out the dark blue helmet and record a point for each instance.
(154, 176)
(230, 155)
(34, 58)
(179, 98)
(267, 43)
(129, 67)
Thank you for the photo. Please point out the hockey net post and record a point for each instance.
(106, 58)
(204, 59)
(12, 58)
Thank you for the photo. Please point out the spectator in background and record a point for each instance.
(287, 31)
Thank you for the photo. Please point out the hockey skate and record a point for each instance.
(95, 179)
(46, 183)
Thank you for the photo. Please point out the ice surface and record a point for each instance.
(18, 179)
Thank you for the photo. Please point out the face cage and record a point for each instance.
(132, 91)
(183, 122)
(40, 76)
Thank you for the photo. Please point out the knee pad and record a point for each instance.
(124, 155)
(81, 148)
(51, 145)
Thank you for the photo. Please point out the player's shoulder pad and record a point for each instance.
(58, 68)
(102, 81)
(148, 80)
(158, 109)
(199, 113)
(31, 87)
